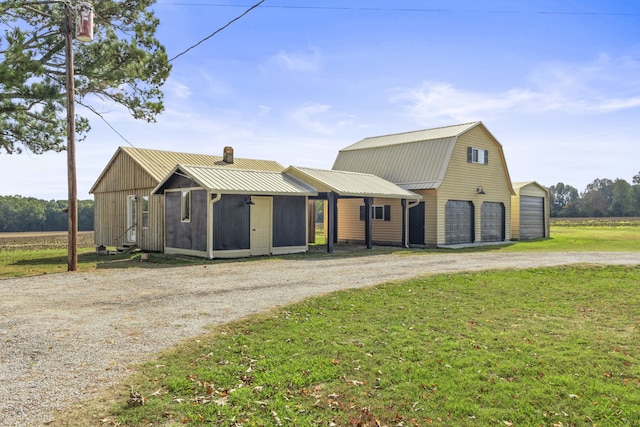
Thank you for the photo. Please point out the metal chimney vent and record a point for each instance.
(227, 155)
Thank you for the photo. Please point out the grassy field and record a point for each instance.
(540, 347)
(23, 254)
(553, 347)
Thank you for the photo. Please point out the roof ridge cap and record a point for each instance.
(422, 130)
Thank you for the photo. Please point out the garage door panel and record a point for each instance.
(458, 222)
(531, 217)
(493, 222)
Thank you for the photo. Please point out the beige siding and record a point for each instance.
(124, 174)
(430, 199)
(110, 217)
(462, 180)
(123, 178)
(515, 217)
(351, 229)
(532, 189)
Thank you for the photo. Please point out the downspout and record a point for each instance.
(406, 231)
(217, 197)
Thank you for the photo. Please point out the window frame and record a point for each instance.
(378, 212)
(185, 205)
(144, 210)
(478, 156)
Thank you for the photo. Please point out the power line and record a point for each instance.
(218, 30)
(413, 9)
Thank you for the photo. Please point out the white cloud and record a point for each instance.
(176, 89)
(298, 62)
(604, 86)
(320, 118)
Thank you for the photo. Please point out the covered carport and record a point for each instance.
(333, 185)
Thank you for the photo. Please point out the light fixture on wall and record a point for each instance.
(480, 190)
(248, 201)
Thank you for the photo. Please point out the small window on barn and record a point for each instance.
(185, 211)
(145, 211)
(476, 155)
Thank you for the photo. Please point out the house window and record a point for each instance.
(185, 203)
(145, 211)
(377, 212)
(476, 155)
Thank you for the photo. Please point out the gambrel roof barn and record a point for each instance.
(460, 171)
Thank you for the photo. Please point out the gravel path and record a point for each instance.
(64, 337)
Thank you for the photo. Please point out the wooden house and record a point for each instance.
(125, 212)
(530, 211)
(219, 212)
(461, 173)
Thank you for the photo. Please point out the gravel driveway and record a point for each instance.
(64, 337)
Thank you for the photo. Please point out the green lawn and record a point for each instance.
(540, 347)
(564, 238)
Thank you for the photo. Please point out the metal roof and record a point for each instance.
(415, 136)
(158, 163)
(412, 160)
(416, 165)
(240, 181)
(350, 183)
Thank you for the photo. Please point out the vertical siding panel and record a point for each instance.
(125, 177)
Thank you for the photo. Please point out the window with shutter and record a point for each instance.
(476, 155)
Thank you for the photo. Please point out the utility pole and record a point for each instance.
(72, 255)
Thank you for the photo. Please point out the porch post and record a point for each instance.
(331, 219)
(403, 202)
(368, 224)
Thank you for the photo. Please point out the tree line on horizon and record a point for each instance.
(601, 198)
(19, 213)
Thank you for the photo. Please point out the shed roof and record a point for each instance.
(413, 160)
(158, 163)
(351, 184)
(517, 186)
(240, 181)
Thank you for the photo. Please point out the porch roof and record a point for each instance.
(238, 181)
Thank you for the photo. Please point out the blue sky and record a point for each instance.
(556, 82)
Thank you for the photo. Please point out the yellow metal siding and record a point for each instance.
(462, 180)
(351, 228)
(430, 199)
(532, 189)
(515, 217)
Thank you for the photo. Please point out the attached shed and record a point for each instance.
(461, 173)
(530, 211)
(125, 214)
(215, 212)
(357, 201)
